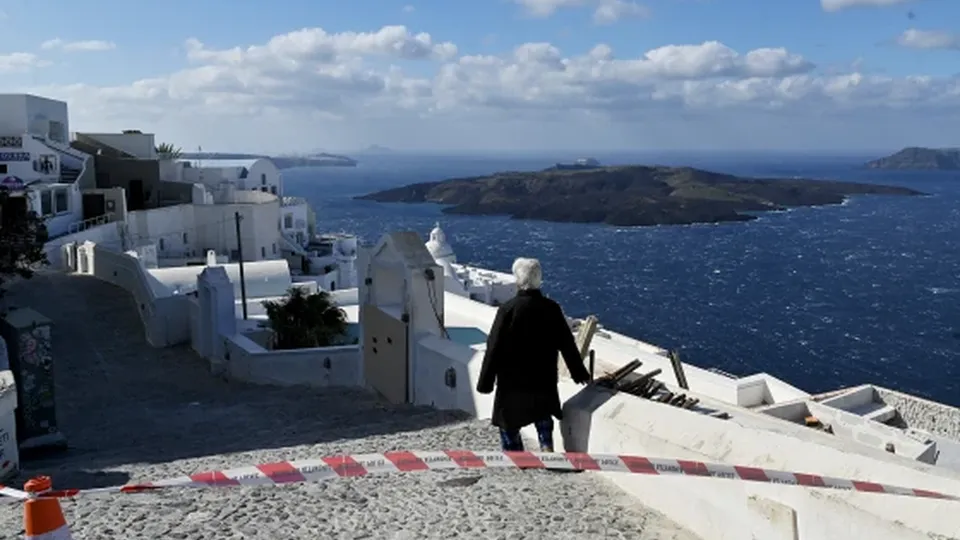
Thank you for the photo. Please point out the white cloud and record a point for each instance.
(545, 8)
(311, 88)
(837, 5)
(604, 11)
(409, 8)
(90, 45)
(611, 11)
(20, 61)
(316, 45)
(929, 39)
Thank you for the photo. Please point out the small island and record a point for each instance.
(626, 196)
(917, 158)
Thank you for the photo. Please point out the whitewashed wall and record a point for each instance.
(165, 319)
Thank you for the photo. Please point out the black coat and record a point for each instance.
(521, 357)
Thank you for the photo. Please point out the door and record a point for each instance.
(135, 196)
(94, 205)
(385, 357)
(14, 209)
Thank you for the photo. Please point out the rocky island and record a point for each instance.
(917, 158)
(626, 196)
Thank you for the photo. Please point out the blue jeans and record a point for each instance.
(511, 441)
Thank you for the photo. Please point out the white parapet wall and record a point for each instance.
(165, 318)
(600, 421)
(107, 234)
(317, 368)
(446, 375)
(263, 279)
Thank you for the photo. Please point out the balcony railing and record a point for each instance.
(293, 201)
(91, 222)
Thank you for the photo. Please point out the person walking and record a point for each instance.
(521, 358)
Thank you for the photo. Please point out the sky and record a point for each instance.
(496, 75)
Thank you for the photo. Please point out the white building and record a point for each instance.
(330, 260)
(37, 165)
(487, 286)
(135, 143)
(297, 220)
(22, 114)
(183, 234)
(259, 174)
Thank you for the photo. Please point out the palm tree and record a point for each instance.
(168, 151)
(303, 320)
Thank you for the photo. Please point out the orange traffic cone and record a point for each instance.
(42, 518)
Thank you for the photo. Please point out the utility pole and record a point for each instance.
(243, 281)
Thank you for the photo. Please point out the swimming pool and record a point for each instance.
(464, 335)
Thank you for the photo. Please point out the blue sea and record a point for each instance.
(863, 292)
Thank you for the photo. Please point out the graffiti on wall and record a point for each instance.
(36, 373)
(5, 439)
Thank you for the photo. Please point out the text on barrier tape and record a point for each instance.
(313, 470)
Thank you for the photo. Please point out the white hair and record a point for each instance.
(528, 273)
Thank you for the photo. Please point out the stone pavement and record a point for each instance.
(131, 412)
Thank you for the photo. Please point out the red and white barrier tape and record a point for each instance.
(313, 470)
(13, 493)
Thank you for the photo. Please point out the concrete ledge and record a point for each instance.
(597, 420)
(318, 368)
(437, 360)
(166, 319)
(881, 414)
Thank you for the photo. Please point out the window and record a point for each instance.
(263, 189)
(185, 238)
(160, 243)
(3, 168)
(46, 202)
(288, 221)
(263, 179)
(274, 248)
(273, 189)
(60, 201)
(263, 252)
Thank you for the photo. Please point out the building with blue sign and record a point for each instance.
(37, 163)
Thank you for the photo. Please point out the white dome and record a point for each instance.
(438, 246)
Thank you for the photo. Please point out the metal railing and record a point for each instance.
(719, 371)
(91, 222)
(292, 201)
